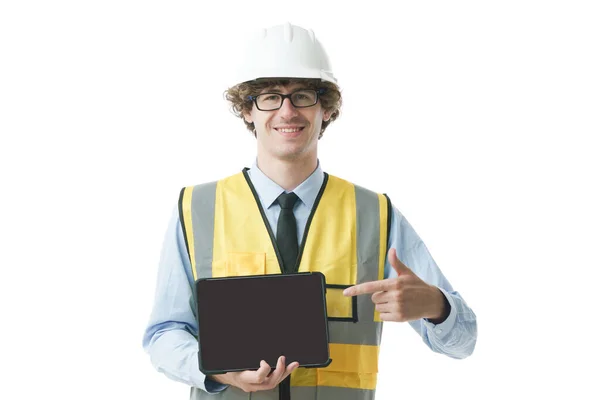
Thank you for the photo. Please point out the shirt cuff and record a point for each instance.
(441, 330)
(214, 386)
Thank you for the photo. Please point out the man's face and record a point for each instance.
(288, 133)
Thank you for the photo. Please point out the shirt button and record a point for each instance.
(438, 331)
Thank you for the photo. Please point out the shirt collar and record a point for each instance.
(268, 191)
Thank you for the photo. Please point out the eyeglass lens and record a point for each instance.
(300, 98)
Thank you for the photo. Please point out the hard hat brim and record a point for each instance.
(297, 73)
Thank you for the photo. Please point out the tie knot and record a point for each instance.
(287, 200)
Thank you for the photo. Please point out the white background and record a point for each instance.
(479, 119)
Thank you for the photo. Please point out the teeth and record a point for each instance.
(288, 130)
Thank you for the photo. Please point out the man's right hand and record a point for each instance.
(254, 381)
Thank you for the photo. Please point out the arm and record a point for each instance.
(169, 337)
(457, 334)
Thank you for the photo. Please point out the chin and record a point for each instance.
(289, 154)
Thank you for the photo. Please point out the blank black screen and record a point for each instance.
(243, 320)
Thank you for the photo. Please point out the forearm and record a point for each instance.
(174, 352)
(456, 335)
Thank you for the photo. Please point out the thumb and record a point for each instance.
(400, 268)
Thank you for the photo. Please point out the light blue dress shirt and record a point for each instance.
(168, 337)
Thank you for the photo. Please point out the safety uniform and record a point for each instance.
(346, 236)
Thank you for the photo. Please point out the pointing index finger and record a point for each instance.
(365, 288)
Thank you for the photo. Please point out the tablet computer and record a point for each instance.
(245, 319)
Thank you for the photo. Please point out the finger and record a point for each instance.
(383, 307)
(386, 316)
(369, 287)
(290, 368)
(262, 373)
(273, 369)
(277, 377)
(278, 372)
(394, 294)
(398, 266)
(380, 297)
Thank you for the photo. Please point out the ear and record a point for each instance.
(248, 118)
(326, 116)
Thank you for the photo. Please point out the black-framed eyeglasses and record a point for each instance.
(300, 99)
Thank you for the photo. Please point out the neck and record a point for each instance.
(287, 173)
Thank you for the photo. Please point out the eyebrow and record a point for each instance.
(277, 89)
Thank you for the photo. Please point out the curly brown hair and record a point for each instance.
(331, 100)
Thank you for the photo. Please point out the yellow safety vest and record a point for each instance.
(346, 235)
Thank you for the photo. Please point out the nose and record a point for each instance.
(287, 109)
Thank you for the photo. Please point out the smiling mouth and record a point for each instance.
(289, 130)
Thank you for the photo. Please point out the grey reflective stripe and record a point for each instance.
(367, 232)
(338, 393)
(304, 392)
(231, 393)
(203, 221)
(297, 393)
(331, 393)
(269, 395)
(365, 331)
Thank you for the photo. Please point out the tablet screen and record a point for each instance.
(243, 320)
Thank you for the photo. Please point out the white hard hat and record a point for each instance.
(284, 51)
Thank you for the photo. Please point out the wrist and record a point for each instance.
(442, 309)
(222, 378)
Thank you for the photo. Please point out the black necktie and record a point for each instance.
(287, 236)
(287, 243)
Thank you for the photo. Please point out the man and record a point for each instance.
(285, 215)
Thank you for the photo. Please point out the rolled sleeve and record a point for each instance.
(440, 331)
